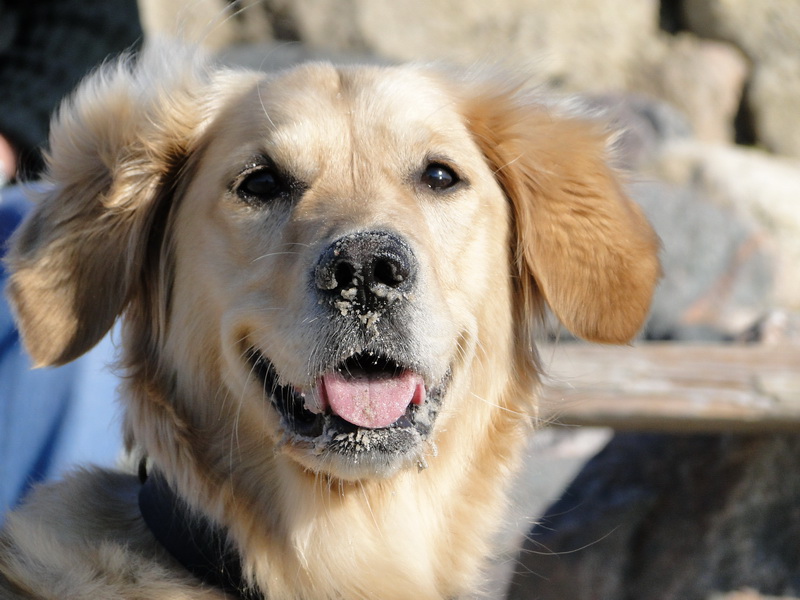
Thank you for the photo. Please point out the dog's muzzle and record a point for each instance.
(369, 399)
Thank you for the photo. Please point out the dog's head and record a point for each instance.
(330, 270)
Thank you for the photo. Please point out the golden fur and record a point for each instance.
(145, 221)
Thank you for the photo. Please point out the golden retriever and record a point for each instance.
(328, 279)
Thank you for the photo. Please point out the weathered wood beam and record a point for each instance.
(673, 387)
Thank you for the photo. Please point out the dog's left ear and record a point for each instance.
(579, 241)
(115, 146)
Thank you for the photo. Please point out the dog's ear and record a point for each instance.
(579, 241)
(114, 145)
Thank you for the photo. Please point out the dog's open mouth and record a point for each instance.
(367, 403)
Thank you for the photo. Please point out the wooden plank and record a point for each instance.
(673, 387)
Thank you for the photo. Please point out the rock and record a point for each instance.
(775, 103)
(643, 124)
(276, 56)
(585, 44)
(760, 188)
(213, 24)
(776, 328)
(762, 29)
(671, 517)
(768, 31)
(704, 79)
(717, 270)
(173, 18)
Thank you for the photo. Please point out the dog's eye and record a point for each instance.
(437, 176)
(262, 184)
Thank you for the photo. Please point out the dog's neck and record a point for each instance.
(198, 544)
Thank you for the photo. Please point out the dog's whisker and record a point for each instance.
(185, 23)
(232, 11)
(499, 406)
(264, 108)
(548, 552)
(368, 504)
(263, 256)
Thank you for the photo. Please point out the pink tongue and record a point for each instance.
(372, 401)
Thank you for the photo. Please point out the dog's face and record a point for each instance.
(334, 267)
(339, 242)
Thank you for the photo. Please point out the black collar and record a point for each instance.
(194, 541)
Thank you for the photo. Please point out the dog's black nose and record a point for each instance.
(366, 271)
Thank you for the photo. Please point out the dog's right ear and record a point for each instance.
(114, 147)
(579, 242)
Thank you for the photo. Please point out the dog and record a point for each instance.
(329, 279)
